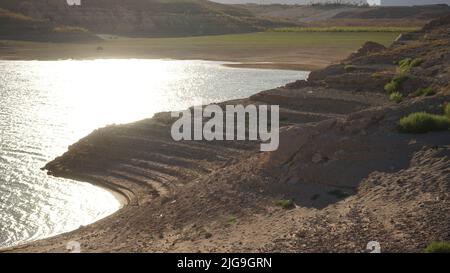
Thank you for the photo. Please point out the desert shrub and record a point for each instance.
(447, 110)
(405, 65)
(422, 122)
(391, 87)
(438, 247)
(426, 91)
(377, 75)
(349, 68)
(395, 84)
(68, 29)
(396, 97)
(284, 203)
(404, 62)
(345, 29)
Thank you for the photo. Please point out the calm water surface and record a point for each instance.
(47, 105)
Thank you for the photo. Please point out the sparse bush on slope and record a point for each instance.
(396, 97)
(405, 65)
(284, 203)
(349, 68)
(438, 247)
(447, 110)
(69, 29)
(422, 122)
(424, 92)
(395, 84)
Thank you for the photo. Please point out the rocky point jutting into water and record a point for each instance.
(353, 176)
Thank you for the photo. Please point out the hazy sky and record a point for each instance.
(413, 2)
(292, 2)
(372, 2)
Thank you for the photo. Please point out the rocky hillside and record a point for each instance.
(426, 12)
(16, 26)
(144, 17)
(332, 15)
(350, 168)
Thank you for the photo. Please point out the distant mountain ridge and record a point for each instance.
(144, 17)
(338, 14)
(412, 2)
(398, 12)
(56, 20)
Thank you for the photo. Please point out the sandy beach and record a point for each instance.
(297, 51)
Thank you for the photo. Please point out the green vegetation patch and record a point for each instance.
(447, 110)
(438, 247)
(424, 92)
(69, 29)
(346, 29)
(232, 220)
(284, 203)
(395, 84)
(422, 122)
(380, 74)
(349, 68)
(396, 97)
(405, 65)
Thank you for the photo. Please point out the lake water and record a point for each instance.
(47, 105)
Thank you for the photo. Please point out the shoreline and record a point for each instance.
(280, 66)
(125, 196)
(128, 194)
(118, 193)
(227, 63)
(297, 51)
(336, 131)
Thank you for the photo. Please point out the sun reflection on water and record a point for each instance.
(46, 106)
